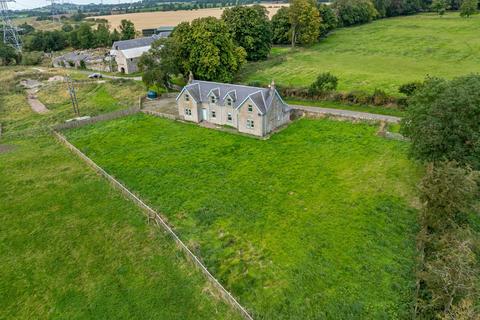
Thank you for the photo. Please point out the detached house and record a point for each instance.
(251, 110)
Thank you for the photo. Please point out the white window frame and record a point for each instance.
(214, 114)
(213, 99)
(250, 124)
(229, 102)
(229, 117)
(250, 108)
(188, 111)
(187, 97)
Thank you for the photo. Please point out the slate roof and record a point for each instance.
(138, 43)
(200, 90)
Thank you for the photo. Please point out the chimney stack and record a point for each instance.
(272, 86)
(190, 77)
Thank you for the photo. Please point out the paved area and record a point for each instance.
(34, 103)
(162, 105)
(348, 113)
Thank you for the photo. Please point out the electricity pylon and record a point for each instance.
(10, 34)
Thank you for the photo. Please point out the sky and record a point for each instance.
(29, 4)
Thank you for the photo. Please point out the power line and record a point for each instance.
(73, 95)
(10, 34)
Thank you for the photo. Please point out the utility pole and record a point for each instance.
(10, 34)
(53, 8)
(73, 95)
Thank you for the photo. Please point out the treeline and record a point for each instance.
(82, 36)
(443, 122)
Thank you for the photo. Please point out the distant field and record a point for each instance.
(315, 223)
(44, 25)
(383, 54)
(144, 20)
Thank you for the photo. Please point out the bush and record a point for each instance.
(325, 82)
(32, 58)
(409, 88)
(352, 12)
(380, 97)
(82, 65)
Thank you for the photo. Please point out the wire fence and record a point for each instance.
(160, 221)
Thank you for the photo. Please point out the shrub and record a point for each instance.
(324, 83)
(32, 58)
(82, 65)
(380, 97)
(352, 12)
(409, 88)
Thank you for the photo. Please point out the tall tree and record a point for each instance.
(205, 47)
(281, 26)
(102, 36)
(352, 12)
(443, 120)
(439, 6)
(305, 21)
(115, 36)
(85, 36)
(329, 19)
(468, 8)
(251, 30)
(127, 29)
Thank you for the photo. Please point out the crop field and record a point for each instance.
(145, 20)
(318, 221)
(71, 246)
(382, 55)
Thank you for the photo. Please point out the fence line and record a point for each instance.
(102, 117)
(152, 214)
(161, 114)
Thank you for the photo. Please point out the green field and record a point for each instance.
(383, 54)
(71, 247)
(316, 222)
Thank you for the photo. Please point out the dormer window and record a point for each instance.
(250, 108)
(187, 97)
(213, 99)
(229, 102)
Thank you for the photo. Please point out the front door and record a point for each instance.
(204, 114)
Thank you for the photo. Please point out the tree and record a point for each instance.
(156, 64)
(66, 27)
(443, 120)
(468, 8)
(251, 30)
(281, 26)
(329, 20)
(204, 47)
(305, 21)
(102, 36)
(439, 6)
(448, 194)
(127, 29)
(115, 36)
(85, 36)
(352, 12)
(7, 54)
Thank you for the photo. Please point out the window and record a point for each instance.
(188, 111)
(250, 124)
(187, 97)
(214, 115)
(213, 99)
(229, 117)
(250, 108)
(229, 102)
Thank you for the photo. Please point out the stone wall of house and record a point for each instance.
(276, 116)
(183, 104)
(244, 115)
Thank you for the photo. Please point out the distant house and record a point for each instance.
(252, 110)
(161, 31)
(127, 53)
(93, 59)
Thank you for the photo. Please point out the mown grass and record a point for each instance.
(71, 247)
(316, 222)
(381, 55)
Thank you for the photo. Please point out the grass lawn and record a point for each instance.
(71, 247)
(383, 54)
(316, 222)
